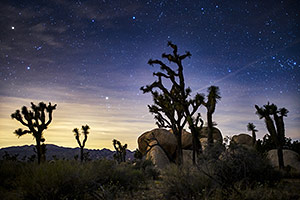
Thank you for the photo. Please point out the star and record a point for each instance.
(12, 27)
(28, 68)
(133, 17)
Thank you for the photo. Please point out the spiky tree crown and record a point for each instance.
(251, 127)
(34, 119)
(84, 130)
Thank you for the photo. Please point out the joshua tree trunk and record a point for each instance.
(38, 149)
(210, 129)
(280, 157)
(81, 154)
(253, 137)
(179, 147)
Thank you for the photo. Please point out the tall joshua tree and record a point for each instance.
(212, 99)
(35, 121)
(172, 108)
(251, 127)
(120, 155)
(272, 114)
(85, 132)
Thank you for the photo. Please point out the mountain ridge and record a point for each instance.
(59, 152)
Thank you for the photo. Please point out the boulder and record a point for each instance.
(157, 155)
(242, 139)
(187, 137)
(290, 158)
(186, 140)
(217, 135)
(204, 143)
(165, 138)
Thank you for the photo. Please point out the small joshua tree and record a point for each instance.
(85, 132)
(35, 121)
(212, 99)
(251, 127)
(277, 131)
(120, 154)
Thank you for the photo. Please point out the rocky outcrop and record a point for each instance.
(187, 140)
(157, 155)
(290, 158)
(165, 139)
(217, 135)
(242, 139)
(204, 143)
(159, 145)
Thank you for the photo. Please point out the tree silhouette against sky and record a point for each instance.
(172, 106)
(272, 114)
(85, 132)
(35, 121)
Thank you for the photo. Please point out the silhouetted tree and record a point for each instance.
(120, 154)
(277, 131)
(85, 132)
(251, 127)
(35, 121)
(212, 99)
(172, 108)
(137, 154)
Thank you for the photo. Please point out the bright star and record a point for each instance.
(93, 20)
(133, 17)
(28, 67)
(12, 27)
(106, 98)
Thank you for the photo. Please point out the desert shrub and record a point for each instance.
(239, 166)
(282, 191)
(185, 183)
(235, 170)
(9, 171)
(147, 167)
(267, 144)
(60, 179)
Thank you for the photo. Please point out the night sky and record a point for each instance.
(90, 57)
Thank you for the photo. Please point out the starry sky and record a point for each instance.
(90, 57)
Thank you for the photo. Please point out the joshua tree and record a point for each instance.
(251, 127)
(172, 108)
(277, 130)
(85, 132)
(212, 99)
(120, 155)
(35, 121)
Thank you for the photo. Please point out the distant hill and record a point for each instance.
(60, 152)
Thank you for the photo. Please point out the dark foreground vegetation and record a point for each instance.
(239, 173)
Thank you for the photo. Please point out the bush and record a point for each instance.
(102, 179)
(184, 183)
(149, 170)
(235, 170)
(243, 166)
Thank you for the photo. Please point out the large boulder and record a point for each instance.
(156, 154)
(242, 139)
(290, 158)
(186, 140)
(187, 137)
(217, 135)
(165, 139)
(204, 143)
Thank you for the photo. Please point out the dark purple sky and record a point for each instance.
(90, 57)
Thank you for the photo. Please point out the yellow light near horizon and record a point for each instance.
(106, 125)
